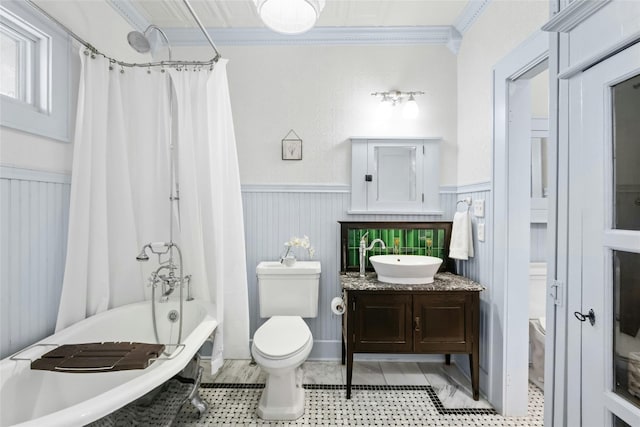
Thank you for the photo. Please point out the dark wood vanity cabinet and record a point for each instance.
(443, 322)
(383, 323)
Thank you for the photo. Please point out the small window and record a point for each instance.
(34, 77)
(10, 60)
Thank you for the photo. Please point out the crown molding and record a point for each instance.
(450, 36)
(315, 36)
(455, 40)
(470, 15)
(573, 15)
(130, 13)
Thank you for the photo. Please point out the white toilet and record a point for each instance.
(283, 343)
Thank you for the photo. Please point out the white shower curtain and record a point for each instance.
(120, 189)
(212, 226)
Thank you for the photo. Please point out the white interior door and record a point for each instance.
(605, 239)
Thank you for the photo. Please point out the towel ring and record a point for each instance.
(466, 200)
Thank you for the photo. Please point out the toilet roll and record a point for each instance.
(337, 306)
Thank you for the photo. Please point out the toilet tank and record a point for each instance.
(288, 291)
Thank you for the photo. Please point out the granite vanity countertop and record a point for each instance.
(351, 281)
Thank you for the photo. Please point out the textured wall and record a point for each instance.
(272, 217)
(34, 212)
(97, 23)
(501, 27)
(34, 219)
(324, 94)
(478, 268)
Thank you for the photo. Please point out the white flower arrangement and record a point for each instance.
(296, 241)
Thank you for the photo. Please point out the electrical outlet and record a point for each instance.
(481, 232)
(478, 208)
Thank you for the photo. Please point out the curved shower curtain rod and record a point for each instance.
(93, 51)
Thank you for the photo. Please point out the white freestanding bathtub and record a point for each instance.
(43, 398)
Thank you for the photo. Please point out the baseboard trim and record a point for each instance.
(330, 350)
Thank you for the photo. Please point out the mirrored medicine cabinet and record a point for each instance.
(395, 176)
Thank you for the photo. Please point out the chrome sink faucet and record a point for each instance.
(363, 250)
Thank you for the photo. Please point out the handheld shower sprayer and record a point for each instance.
(158, 248)
(142, 256)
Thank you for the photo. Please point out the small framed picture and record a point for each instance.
(291, 149)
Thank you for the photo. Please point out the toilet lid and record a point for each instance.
(281, 336)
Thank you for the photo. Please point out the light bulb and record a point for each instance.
(411, 109)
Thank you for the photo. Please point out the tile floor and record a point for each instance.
(385, 393)
(451, 386)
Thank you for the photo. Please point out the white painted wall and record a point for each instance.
(540, 94)
(501, 27)
(323, 93)
(99, 25)
(21, 149)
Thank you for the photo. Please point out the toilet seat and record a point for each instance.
(281, 337)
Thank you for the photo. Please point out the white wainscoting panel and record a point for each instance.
(478, 268)
(271, 218)
(34, 212)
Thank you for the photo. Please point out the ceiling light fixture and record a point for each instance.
(289, 16)
(391, 98)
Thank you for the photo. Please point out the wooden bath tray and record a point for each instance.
(99, 357)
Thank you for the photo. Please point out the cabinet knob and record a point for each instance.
(368, 178)
(417, 324)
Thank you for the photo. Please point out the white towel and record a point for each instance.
(461, 246)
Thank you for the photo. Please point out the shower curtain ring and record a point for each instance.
(111, 62)
(149, 69)
(121, 69)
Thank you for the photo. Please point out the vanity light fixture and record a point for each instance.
(289, 16)
(391, 98)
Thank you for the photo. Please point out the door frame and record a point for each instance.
(607, 239)
(508, 390)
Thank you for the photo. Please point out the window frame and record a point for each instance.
(44, 107)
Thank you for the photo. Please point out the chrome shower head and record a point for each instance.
(142, 256)
(143, 44)
(139, 41)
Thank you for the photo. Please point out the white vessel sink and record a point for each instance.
(405, 269)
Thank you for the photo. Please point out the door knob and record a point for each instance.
(582, 317)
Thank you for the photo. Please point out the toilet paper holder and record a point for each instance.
(338, 306)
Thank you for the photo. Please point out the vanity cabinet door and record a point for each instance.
(442, 322)
(383, 322)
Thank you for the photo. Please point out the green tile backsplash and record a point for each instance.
(401, 241)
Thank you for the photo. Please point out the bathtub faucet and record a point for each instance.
(169, 279)
(363, 250)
